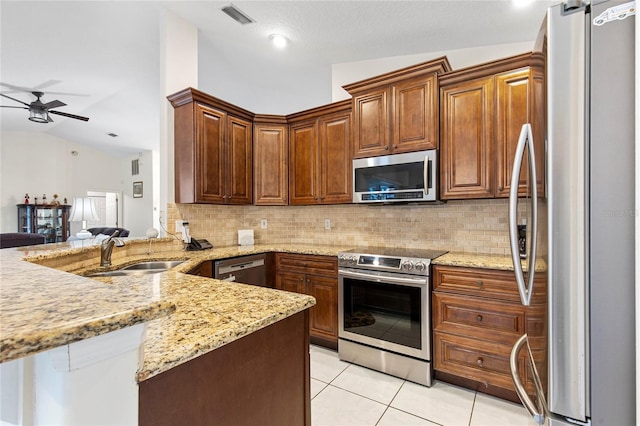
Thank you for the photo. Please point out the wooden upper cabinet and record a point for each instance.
(335, 158)
(398, 111)
(239, 161)
(371, 133)
(213, 151)
(303, 163)
(415, 114)
(320, 155)
(518, 103)
(466, 140)
(482, 111)
(210, 146)
(270, 165)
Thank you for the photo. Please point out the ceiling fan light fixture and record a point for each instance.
(279, 41)
(38, 116)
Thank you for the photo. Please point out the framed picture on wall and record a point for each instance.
(137, 189)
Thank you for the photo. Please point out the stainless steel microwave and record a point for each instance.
(396, 178)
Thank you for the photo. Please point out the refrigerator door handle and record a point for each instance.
(539, 409)
(525, 144)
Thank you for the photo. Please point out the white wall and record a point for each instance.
(137, 212)
(38, 163)
(350, 72)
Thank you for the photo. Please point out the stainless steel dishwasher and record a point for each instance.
(249, 269)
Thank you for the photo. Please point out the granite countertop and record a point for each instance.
(470, 260)
(42, 308)
(45, 307)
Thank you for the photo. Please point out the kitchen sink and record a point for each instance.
(162, 265)
(140, 268)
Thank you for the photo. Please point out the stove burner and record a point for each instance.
(410, 261)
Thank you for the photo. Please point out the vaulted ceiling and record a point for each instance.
(101, 58)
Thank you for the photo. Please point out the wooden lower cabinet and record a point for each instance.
(316, 276)
(477, 318)
(204, 269)
(260, 379)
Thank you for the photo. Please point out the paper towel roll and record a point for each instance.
(245, 237)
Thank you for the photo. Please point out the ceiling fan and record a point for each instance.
(39, 111)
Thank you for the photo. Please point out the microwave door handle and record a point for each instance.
(538, 410)
(525, 141)
(426, 178)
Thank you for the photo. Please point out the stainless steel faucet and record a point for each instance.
(107, 247)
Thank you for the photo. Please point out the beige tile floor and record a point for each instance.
(344, 394)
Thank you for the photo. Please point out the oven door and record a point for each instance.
(385, 310)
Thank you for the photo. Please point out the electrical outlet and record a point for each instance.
(263, 224)
(327, 224)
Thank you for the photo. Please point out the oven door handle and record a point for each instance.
(387, 278)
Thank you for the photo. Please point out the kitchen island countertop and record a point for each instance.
(42, 308)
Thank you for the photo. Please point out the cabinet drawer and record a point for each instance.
(485, 283)
(475, 317)
(481, 361)
(309, 264)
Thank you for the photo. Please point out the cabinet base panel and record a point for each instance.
(325, 342)
(486, 388)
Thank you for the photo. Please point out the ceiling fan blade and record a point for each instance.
(14, 99)
(64, 114)
(11, 106)
(49, 119)
(13, 88)
(54, 104)
(31, 89)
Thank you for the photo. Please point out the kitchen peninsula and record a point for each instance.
(242, 335)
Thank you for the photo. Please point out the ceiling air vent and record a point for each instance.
(135, 167)
(237, 14)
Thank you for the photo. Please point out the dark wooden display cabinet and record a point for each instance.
(51, 221)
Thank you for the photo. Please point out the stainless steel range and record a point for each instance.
(384, 310)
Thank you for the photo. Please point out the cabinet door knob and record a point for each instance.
(480, 283)
(386, 147)
(479, 318)
(480, 361)
(501, 188)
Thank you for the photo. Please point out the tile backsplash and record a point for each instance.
(473, 226)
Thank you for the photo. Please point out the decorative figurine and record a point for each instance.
(26, 198)
(36, 201)
(44, 199)
(65, 201)
(55, 201)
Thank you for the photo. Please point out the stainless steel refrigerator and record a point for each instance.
(582, 227)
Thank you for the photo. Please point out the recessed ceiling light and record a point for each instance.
(279, 40)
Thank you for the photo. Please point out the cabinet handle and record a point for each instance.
(479, 318)
(321, 198)
(395, 147)
(386, 147)
(501, 188)
(480, 361)
(480, 283)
